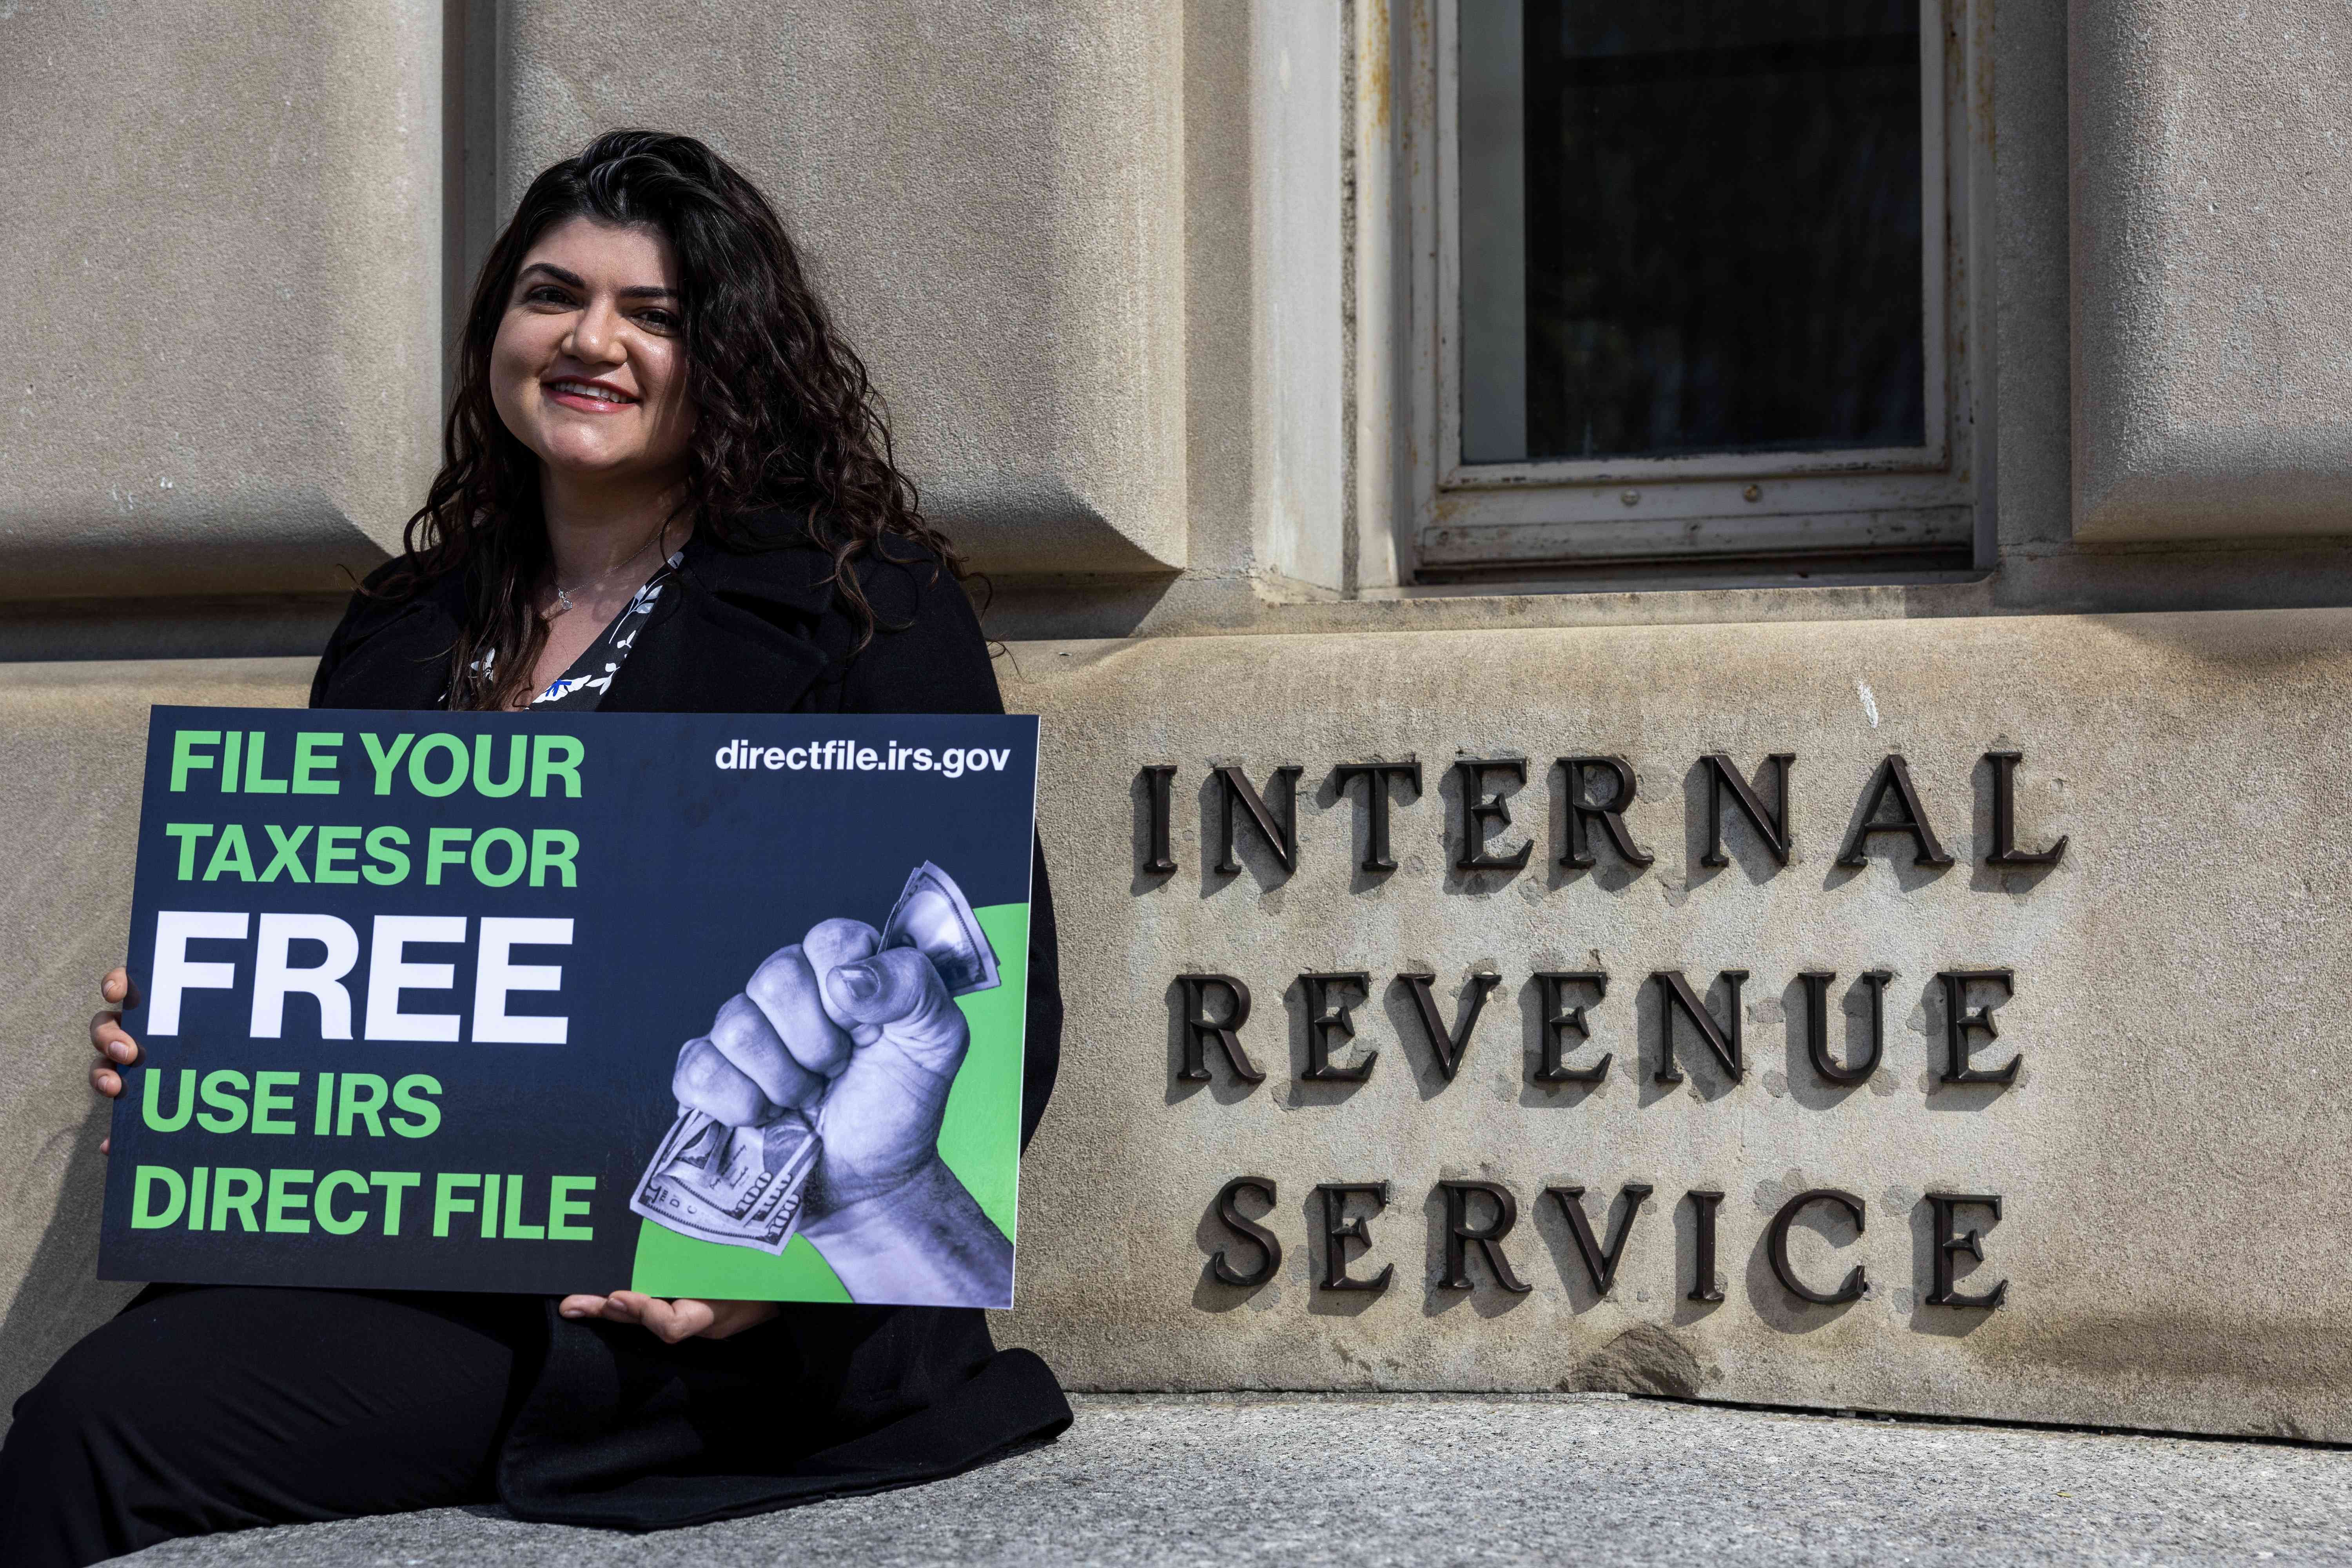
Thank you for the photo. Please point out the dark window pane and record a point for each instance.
(1723, 226)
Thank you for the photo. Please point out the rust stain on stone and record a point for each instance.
(1377, 73)
(2280, 1353)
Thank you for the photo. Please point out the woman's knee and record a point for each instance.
(71, 1410)
(62, 1493)
(123, 1429)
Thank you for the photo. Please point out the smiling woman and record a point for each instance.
(667, 487)
(585, 371)
(643, 359)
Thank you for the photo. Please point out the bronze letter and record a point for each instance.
(1281, 836)
(1448, 1046)
(1327, 1015)
(1958, 1020)
(1460, 1233)
(1771, 826)
(1775, 1249)
(1483, 813)
(1376, 803)
(1337, 1234)
(1559, 1020)
(2005, 851)
(1200, 1028)
(1155, 861)
(1609, 813)
(1229, 1212)
(1674, 994)
(1702, 1207)
(1949, 1246)
(1600, 1262)
(1893, 776)
(1817, 1025)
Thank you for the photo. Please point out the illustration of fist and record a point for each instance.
(864, 1042)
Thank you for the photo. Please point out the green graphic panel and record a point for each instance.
(980, 1140)
(980, 1137)
(670, 1264)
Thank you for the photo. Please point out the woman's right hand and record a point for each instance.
(116, 1050)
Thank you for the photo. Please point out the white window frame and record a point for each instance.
(1908, 507)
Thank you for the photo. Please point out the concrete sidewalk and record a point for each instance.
(1375, 1480)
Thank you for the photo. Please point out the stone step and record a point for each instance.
(1370, 1479)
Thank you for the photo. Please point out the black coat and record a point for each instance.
(616, 1428)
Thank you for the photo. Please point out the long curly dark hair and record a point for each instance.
(785, 415)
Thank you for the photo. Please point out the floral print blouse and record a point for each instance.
(591, 675)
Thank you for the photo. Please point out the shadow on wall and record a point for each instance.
(1031, 524)
(61, 1298)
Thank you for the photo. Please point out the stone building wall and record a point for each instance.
(1126, 278)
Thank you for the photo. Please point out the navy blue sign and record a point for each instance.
(693, 1004)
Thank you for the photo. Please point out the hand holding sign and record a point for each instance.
(116, 1049)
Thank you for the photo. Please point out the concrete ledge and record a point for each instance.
(71, 738)
(2160, 1155)
(1380, 1479)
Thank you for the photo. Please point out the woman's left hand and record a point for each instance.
(684, 1319)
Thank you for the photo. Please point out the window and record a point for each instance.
(1703, 291)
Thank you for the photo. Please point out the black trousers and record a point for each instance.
(220, 1408)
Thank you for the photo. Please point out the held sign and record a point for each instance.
(691, 1004)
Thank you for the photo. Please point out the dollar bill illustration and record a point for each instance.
(933, 918)
(742, 1186)
(739, 1185)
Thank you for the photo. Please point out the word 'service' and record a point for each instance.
(1479, 1214)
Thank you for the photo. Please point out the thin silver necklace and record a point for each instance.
(563, 605)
